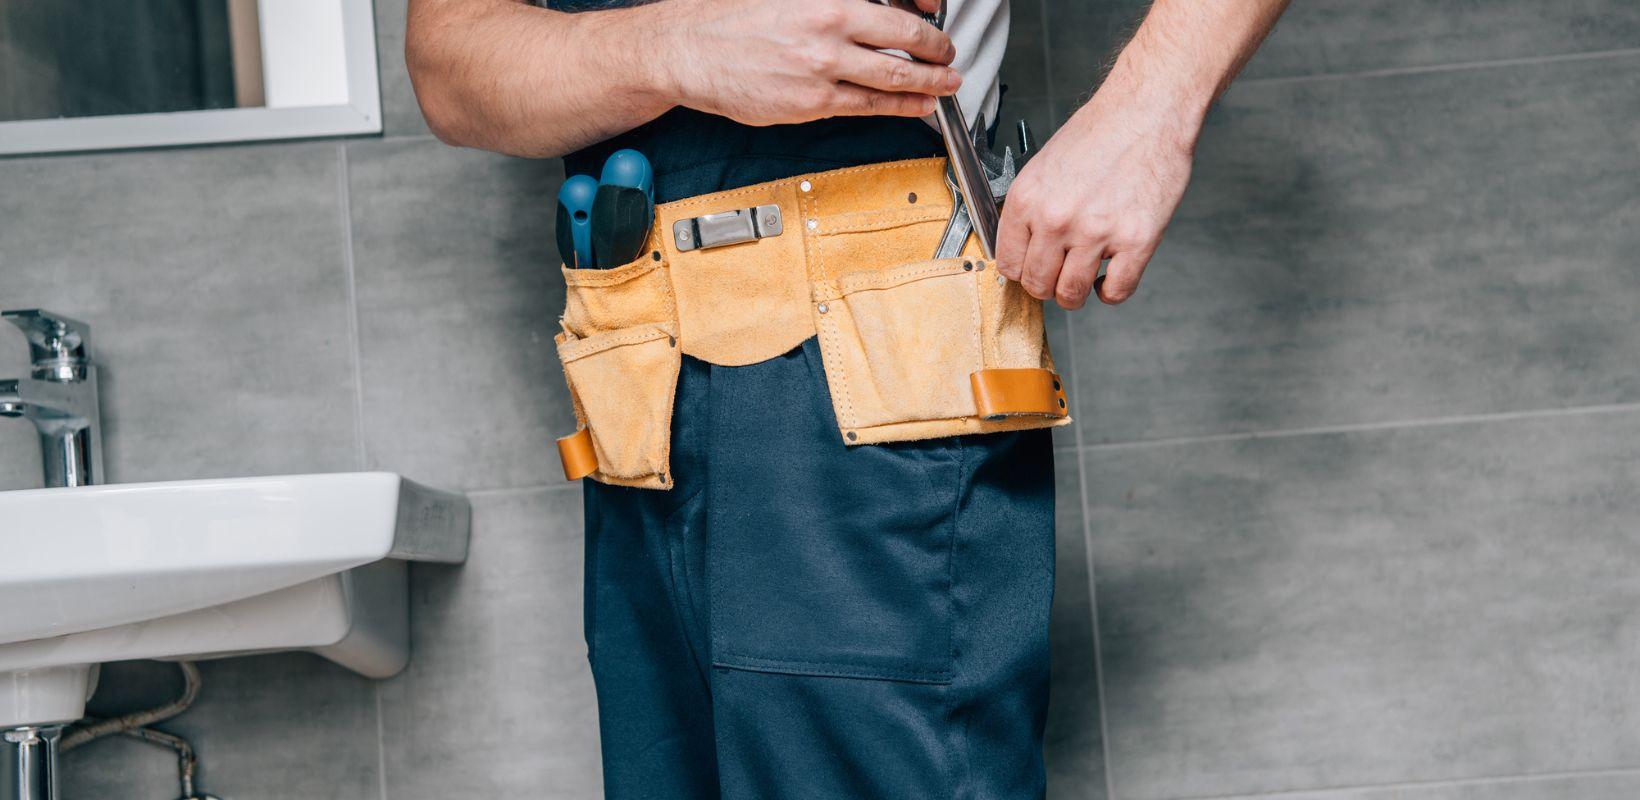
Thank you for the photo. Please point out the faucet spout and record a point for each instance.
(11, 403)
(60, 398)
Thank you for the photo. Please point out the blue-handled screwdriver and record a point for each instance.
(575, 201)
(624, 209)
(628, 167)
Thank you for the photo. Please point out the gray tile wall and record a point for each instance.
(1348, 513)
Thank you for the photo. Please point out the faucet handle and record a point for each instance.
(56, 344)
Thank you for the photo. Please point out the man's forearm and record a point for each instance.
(507, 76)
(1186, 53)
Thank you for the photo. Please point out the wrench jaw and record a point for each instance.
(1000, 172)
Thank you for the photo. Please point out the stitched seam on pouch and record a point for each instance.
(979, 322)
(594, 345)
(831, 668)
(696, 202)
(841, 380)
(813, 204)
(609, 277)
(880, 220)
(878, 280)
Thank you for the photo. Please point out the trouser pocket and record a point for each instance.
(623, 384)
(822, 559)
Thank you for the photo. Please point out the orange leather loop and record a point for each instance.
(1006, 392)
(575, 450)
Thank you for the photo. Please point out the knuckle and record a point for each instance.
(911, 30)
(829, 16)
(820, 60)
(897, 74)
(1072, 289)
(818, 99)
(1131, 236)
(1057, 219)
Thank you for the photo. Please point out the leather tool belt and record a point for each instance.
(913, 347)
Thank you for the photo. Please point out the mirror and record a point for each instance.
(147, 73)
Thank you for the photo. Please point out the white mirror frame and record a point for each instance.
(361, 115)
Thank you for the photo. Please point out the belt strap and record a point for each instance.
(575, 450)
(1007, 392)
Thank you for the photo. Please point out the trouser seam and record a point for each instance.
(952, 695)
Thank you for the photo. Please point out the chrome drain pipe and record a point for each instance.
(28, 762)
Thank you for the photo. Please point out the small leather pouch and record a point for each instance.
(915, 350)
(619, 347)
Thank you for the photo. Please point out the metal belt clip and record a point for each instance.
(727, 227)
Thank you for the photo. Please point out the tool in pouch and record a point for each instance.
(999, 172)
(605, 223)
(977, 177)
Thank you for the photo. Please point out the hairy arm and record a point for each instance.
(1106, 185)
(503, 75)
(507, 76)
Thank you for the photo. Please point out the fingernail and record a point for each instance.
(953, 81)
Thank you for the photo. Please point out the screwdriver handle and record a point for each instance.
(628, 167)
(575, 199)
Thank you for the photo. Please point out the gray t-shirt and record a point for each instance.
(979, 29)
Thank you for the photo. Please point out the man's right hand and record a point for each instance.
(508, 76)
(770, 62)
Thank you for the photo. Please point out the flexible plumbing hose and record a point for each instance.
(135, 725)
(139, 719)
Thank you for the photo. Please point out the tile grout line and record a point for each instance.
(344, 180)
(1047, 70)
(1364, 427)
(1457, 66)
(1495, 780)
(1079, 447)
(556, 486)
(1088, 563)
(1093, 597)
(346, 194)
(381, 742)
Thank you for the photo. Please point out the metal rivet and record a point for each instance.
(821, 308)
(911, 198)
(967, 266)
(814, 223)
(1001, 280)
(981, 266)
(655, 255)
(805, 186)
(852, 436)
(672, 341)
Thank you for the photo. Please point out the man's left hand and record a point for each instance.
(1103, 187)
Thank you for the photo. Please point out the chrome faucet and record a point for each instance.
(59, 397)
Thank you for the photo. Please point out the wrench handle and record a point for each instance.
(960, 152)
(969, 174)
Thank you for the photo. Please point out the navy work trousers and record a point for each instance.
(803, 619)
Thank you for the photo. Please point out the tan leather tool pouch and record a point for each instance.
(620, 351)
(902, 348)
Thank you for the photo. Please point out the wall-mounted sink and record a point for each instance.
(209, 568)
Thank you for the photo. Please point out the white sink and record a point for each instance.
(210, 568)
